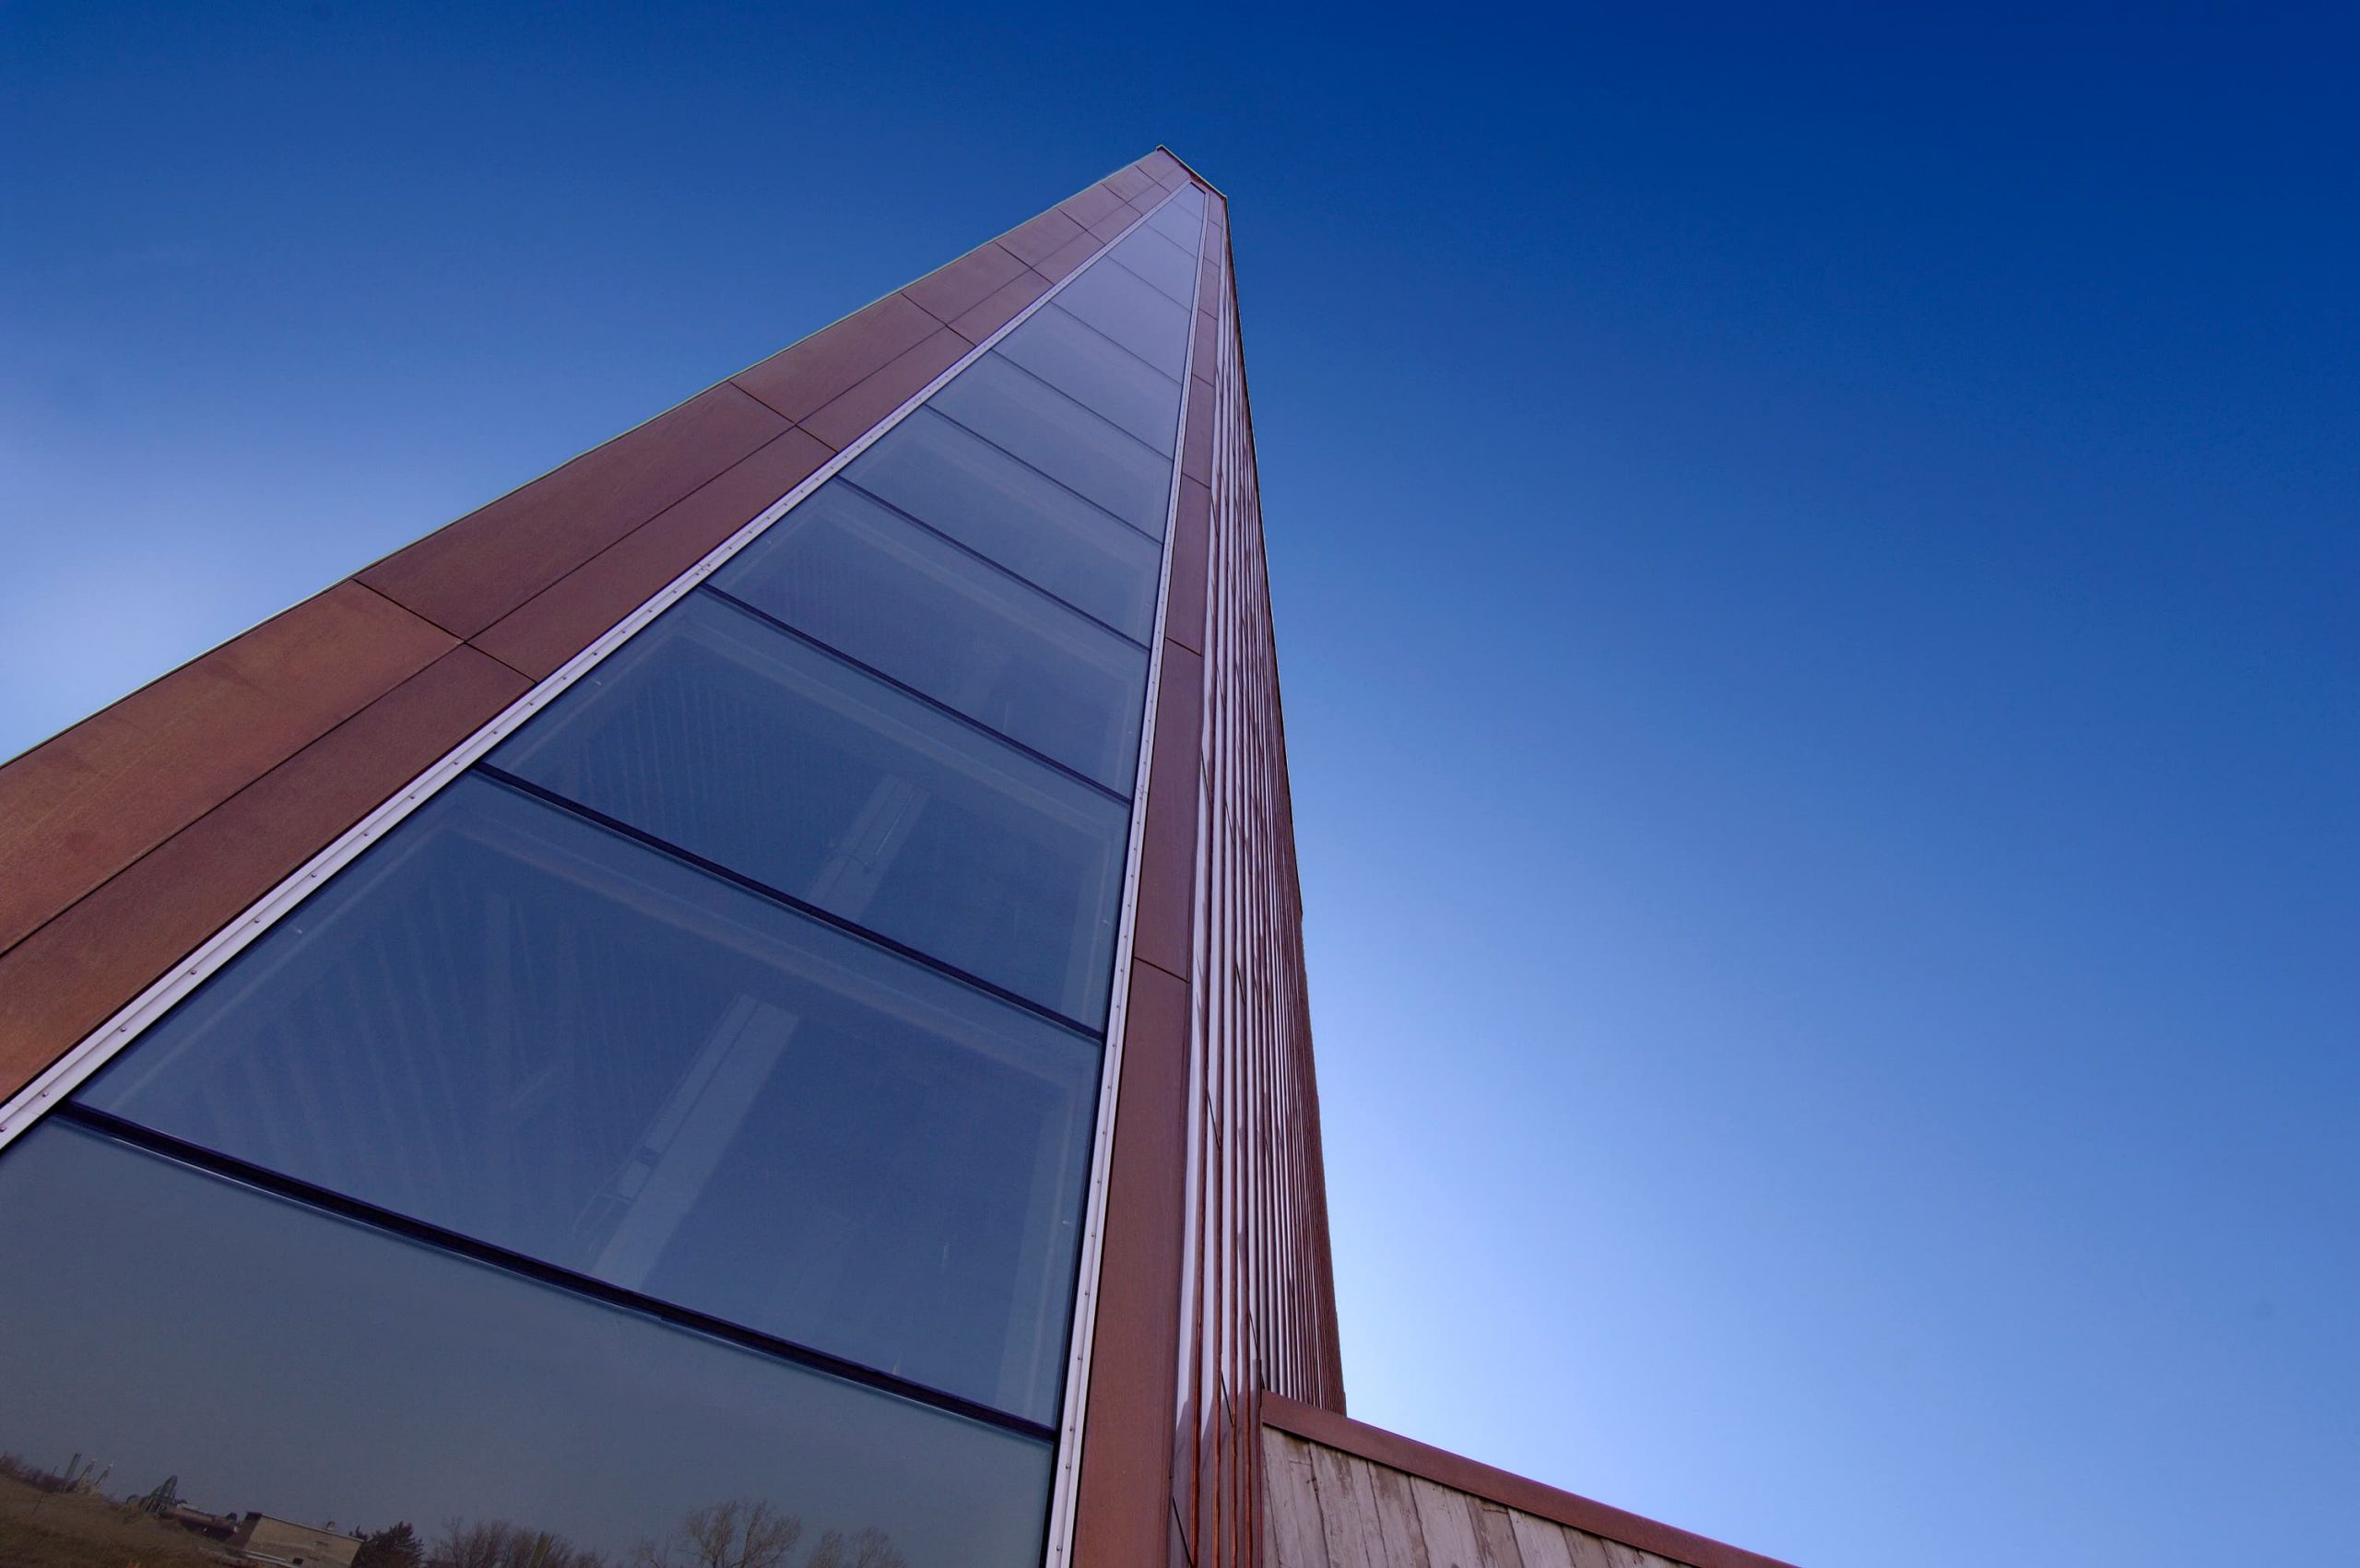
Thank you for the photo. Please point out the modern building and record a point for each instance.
(742, 1004)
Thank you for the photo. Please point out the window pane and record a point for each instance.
(268, 1357)
(1134, 314)
(741, 744)
(953, 480)
(1026, 416)
(521, 1027)
(1181, 223)
(1160, 261)
(863, 579)
(1099, 374)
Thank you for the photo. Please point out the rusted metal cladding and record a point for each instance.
(1233, 1171)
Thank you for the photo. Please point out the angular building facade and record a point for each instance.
(742, 1005)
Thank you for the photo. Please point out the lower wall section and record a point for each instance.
(1325, 1508)
(1339, 1493)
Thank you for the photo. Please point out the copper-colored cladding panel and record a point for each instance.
(1035, 242)
(1123, 1501)
(948, 292)
(466, 576)
(1183, 616)
(577, 609)
(131, 839)
(1207, 336)
(1164, 169)
(1069, 256)
(69, 977)
(78, 808)
(1331, 1429)
(1218, 902)
(848, 418)
(1196, 445)
(1168, 848)
(1090, 207)
(798, 379)
(1001, 307)
(1133, 185)
(1114, 222)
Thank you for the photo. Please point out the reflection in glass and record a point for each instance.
(1100, 374)
(1130, 310)
(511, 1023)
(866, 580)
(962, 485)
(270, 1360)
(724, 735)
(1026, 416)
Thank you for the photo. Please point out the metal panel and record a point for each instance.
(1220, 905)
(1550, 1528)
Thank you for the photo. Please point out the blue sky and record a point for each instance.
(1815, 562)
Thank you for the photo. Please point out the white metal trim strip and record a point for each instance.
(1065, 1489)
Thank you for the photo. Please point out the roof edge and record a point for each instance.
(1193, 171)
(1462, 1474)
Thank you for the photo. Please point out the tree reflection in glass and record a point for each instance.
(326, 1376)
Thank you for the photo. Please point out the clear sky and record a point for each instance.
(1815, 565)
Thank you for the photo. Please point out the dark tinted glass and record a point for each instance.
(861, 578)
(953, 480)
(1132, 311)
(1100, 374)
(1160, 261)
(741, 744)
(266, 1357)
(1024, 415)
(515, 1025)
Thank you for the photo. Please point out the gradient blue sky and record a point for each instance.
(1815, 566)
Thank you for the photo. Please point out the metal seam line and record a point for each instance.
(1065, 1487)
(554, 1276)
(973, 554)
(818, 915)
(94, 1050)
(965, 720)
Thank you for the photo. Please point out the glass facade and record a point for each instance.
(276, 1357)
(678, 1128)
(720, 735)
(853, 574)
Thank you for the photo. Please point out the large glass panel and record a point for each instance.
(1024, 415)
(1180, 222)
(956, 482)
(863, 579)
(724, 735)
(274, 1380)
(1132, 311)
(1161, 262)
(1099, 374)
(515, 1025)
